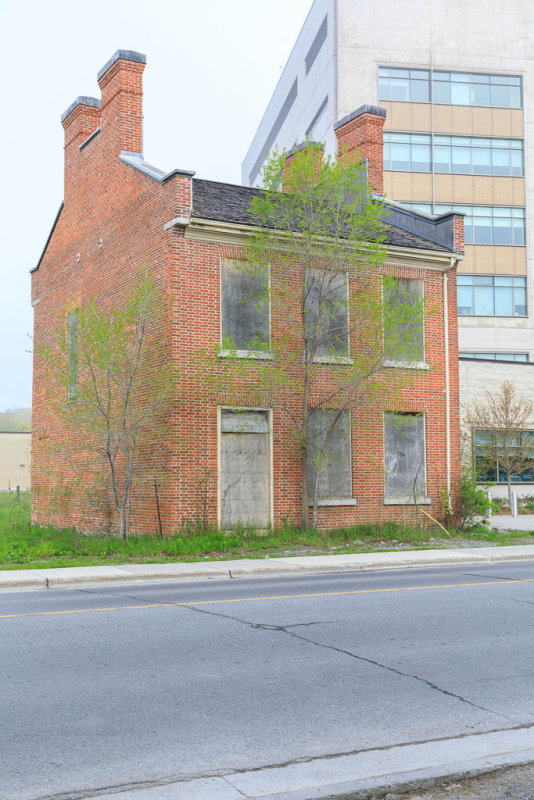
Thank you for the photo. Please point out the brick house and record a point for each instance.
(119, 213)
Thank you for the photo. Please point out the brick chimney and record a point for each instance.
(80, 120)
(315, 148)
(360, 136)
(121, 84)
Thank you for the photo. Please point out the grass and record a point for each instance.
(25, 546)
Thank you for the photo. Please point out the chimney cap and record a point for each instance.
(366, 109)
(81, 100)
(125, 55)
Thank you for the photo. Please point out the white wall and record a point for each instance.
(312, 89)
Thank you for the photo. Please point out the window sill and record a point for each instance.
(261, 355)
(407, 501)
(407, 364)
(345, 360)
(336, 501)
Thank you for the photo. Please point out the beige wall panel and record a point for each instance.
(463, 188)
(388, 106)
(482, 121)
(399, 186)
(421, 117)
(518, 124)
(422, 187)
(444, 185)
(483, 191)
(14, 460)
(443, 119)
(518, 191)
(487, 260)
(462, 119)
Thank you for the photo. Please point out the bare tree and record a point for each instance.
(497, 429)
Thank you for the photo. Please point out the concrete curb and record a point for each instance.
(351, 775)
(127, 573)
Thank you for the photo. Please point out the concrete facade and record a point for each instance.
(14, 460)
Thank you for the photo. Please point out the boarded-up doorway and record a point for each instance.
(245, 469)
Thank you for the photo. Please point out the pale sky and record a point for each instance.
(212, 66)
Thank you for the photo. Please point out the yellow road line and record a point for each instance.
(271, 597)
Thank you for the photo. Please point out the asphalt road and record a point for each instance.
(112, 686)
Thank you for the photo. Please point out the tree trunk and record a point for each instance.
(122, 522)
(304, 515)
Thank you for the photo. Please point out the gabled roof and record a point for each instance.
(226, 202)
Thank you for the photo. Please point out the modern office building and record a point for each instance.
(455, 80)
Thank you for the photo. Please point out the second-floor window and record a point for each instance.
(464, 155)
(498, 225)
(403, 320)
(492, 295)
(326, 313)
(244, 307)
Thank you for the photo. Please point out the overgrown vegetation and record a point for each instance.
(24, 546)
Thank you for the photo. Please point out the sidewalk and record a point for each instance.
(248, 567)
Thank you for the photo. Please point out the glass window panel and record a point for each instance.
(481, 94)
(461, 77)
(442, 158)
(384, 71)
(502, 231)
(484, 301)
(482, 230)
(519, 232)
(517, 163)
(514, 80)
(442, 92)
(383, 89)
(521, 357)
(465, 280)
(421, 157)
(419, 91)
(515, 97)
(520, 303)
(500, 162)
(465, 300)
(484, 280)
(503, 80)
(500, 96)
(460, 95)
(461, 159)
(399, 72)
(504, 303)
(503, 280)
(400, 89)
(519, 281)
(400, 156)
(478, 77)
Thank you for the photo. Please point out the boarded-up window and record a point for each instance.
(405, 456)
(72, 377)
(244, 307)
(326, 318)
(245, 468)
(403, 320)
(329, 454)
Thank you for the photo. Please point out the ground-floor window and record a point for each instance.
(404, 456)
(245, 468)
(329, 454)
(498, 453)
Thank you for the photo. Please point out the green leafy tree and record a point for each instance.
(314, 265)
(112, 376)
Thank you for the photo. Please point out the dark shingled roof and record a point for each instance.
(227, 202)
